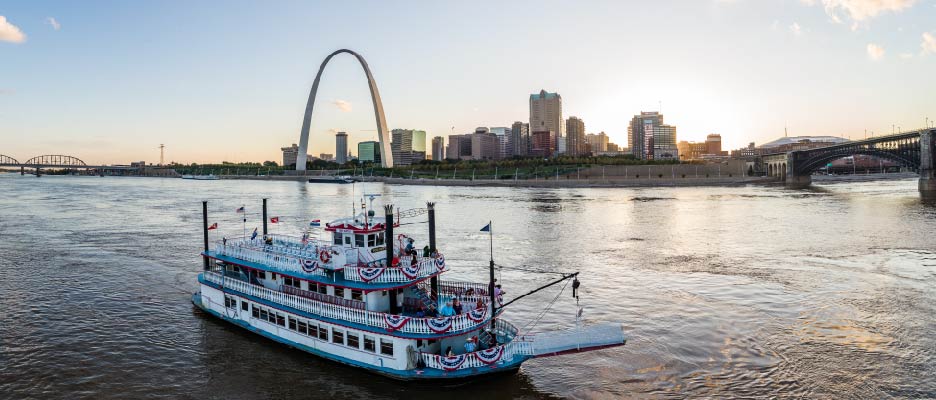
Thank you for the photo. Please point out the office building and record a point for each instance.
(503, 141)
(713, 144)
(650, 138)
(408, 146)
(484, 145)
(369, 152)
(520, 138)
(438, 148)
(459, 147)
(341, 147)
(597, 143)
(575, 137)
(542, 144)
(290, 154)
(546, 114)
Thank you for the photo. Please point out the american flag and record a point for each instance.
(240, 210)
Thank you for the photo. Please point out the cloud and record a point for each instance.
(7, 91)
(796, 29)
(929, 43)
(875, 52)
(860, 10)
(342, 105)
(54, 23)
(10, 33)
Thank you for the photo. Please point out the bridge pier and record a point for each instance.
(22, 170)
(38, 174)
(927, 183)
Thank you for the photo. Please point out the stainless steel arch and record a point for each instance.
(386, 157)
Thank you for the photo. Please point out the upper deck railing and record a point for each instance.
(406, 271)
(462, 322)
(505, 353)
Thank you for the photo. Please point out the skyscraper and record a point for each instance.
(341, 147)
(575, 137)
(459, 147)
(542, 144)
(408, 146)
(650, 139)
(597, 142)
(438, 148)
(369, 151)
(713, 144)
(503, 141)
(520, 138)
(546, 114)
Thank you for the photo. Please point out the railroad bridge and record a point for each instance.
(913, 150)
(58, 161)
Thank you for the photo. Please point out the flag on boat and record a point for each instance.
(487, 228)
(241, 210)
(305, 239)
(254, 234)
(213, 226)
(315, 222)
(274, 220)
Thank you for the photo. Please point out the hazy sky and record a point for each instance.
(109, 81)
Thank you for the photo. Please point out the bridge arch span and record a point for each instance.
(386, 157)
(813, 164)
(5, 159)
(55, 159)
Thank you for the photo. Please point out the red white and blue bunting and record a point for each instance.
(452, 363)
(309, 265)
(490, 356)
(395, 322)
(439, 325)
(411, 272)
(369, 274)
(440, 262)
(477, 315)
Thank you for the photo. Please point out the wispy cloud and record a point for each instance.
(860, 10)
(54, 23)
(875, 52)
(10, 33)
(344, 106)
(929, 43)
(796, 29)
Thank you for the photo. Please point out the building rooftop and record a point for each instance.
(544, 95)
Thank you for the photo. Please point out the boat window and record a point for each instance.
(369, 344)
(347, 240)
(380, 238)
(371, 240)
(357, 295)
(263, 314)
(386, 347)
(313, 330)
(323, 289)
(358, 240)
(292, 323)
(280, 319)
(323, 333)
(337, 336)
(353, 340)
(337, 238)
(256, 311)
(244, 305)
(339, 292)
(302, 327)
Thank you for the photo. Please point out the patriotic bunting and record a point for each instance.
(369, 274)
(440, 262)
(411, 271)
(490, 356)
(309, 265)
(439, 325)
(477, 315)
(395, 322)
(452, 363)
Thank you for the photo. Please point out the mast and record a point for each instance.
(264, 217)
(205, 229)
(434, 281)
(491, 271)
(388, 242)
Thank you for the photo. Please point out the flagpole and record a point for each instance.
(491, 285)
(244, 207)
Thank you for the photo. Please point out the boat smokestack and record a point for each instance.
(434, 281)
(264, 217)
(205, 229)
(388, 241)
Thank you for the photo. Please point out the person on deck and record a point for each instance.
(410, 250)
(421, 313)
(479, 305)
(447, 310)
(456, 306)
(470, 345)
(499, 293)
(449, 352)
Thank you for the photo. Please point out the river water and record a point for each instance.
(737, 291)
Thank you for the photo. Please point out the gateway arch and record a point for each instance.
(386, 156)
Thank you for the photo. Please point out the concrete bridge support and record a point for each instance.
(790, 177)
(928, 164)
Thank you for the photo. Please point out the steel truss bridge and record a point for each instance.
(913, 150)
(58, 161)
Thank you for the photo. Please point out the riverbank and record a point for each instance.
(571, 183)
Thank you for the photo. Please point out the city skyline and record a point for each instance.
(817, 68)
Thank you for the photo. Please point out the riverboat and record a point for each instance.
(343, 179)
(363, 299)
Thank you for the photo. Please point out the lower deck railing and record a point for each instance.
(500, 354)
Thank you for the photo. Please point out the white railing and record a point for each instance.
(512, 349)
(427, 267)
(370, 318)
(281, 262)
(459, 288)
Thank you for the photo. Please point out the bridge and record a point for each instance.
(913, 150)
(57, 161)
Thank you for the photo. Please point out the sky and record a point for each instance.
(109, 81)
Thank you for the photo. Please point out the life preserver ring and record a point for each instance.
(324, 256)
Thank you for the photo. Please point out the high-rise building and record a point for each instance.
(575, 137)
(484, 145)
(290, 153)
(438, 148)
(341, 147)
(713, 144)
(597, 143)
(503, 141)
(369, 151)
(408, 146)
(520, 138)
(650, 138)
(542, 144)
(459, 147)
(546, 114)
